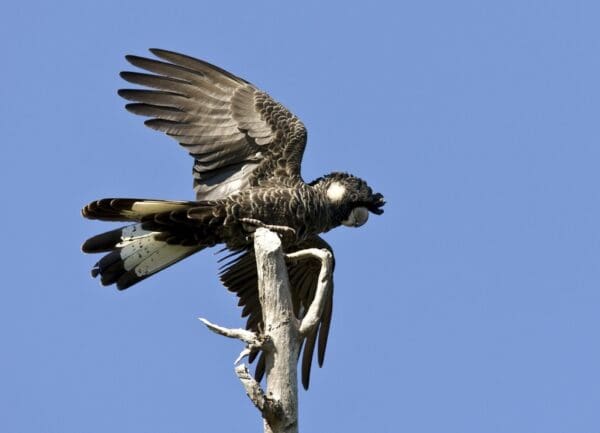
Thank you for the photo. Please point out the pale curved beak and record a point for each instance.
(357, 217)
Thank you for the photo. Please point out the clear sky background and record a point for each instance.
(471, 305)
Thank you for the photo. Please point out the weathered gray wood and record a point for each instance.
(282, 333)
(282, 328)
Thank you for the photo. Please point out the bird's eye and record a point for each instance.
(354, 197)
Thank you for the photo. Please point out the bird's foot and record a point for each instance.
(285, 232)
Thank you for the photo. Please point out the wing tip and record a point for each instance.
(131, 58)
(125, 93)
(306, 381)
(158, 52)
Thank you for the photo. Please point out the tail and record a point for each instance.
(156, 241)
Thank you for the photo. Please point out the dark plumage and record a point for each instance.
(247, 151)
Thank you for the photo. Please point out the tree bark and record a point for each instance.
(282, 334)
(282, 328)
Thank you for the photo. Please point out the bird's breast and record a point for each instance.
(299, 208)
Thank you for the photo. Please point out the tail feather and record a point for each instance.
(131, 209)
(109, 240)
(134, 254)
(139, 250)
(163, 257)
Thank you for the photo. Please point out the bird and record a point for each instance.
(247, 150)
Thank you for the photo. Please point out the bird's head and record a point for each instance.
(352, 198)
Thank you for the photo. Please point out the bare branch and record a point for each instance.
(281, 326)
(246, 336)
(242, 355)
(281, 339)
(255, 393)
(314, 312)
(252, 387)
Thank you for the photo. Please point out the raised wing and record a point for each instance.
(237, 134)
(240, 277)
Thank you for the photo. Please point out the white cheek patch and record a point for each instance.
(336, 192)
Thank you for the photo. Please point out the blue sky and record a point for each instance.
(471, 305)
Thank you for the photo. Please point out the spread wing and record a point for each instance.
(240, 277)
(237, 134)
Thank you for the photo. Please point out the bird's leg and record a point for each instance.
(285, 232)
